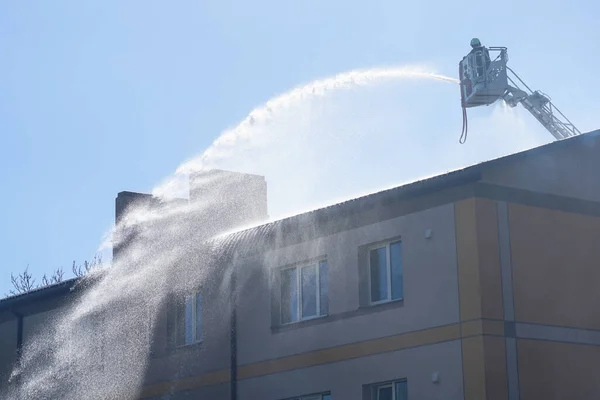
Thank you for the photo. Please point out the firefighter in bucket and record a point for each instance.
(479, 61)
(482, 56)
(473, 68)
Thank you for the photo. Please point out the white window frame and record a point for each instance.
(392, 384)
(316, 396)
(388, 260)
(151, 321)
(196, 339)
(298, 269)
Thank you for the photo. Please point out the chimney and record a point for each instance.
(123, 203)
(228, 200)
(126, 199)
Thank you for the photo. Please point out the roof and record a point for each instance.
(259, 236)
(44, 292)
(47, 292)
(263, 235)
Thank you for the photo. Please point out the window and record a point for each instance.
(385, 271)
(390, 391)
(321, 396)
(193, 319)
(150, 314)
(85, 344)
(304, 292)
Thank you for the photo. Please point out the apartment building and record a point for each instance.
(477, 284)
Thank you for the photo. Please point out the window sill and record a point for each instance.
(362, 310)
(385, 304)
(190, 346)
(300, 324)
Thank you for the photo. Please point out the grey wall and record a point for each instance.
(38, 323)
(430, 299)
(430, 288)
(214, 392)
(345, 379)
(571, 170)
(8, 349)
(171, 360)
(225, 200)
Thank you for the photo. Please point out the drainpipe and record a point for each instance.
(233, 337)
(19, 344)
(19, 332)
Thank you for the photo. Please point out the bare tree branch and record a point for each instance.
(25, 282)
(22, 283)
(81, 270)
(56, 277)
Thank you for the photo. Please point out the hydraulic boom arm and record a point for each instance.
(540, 106)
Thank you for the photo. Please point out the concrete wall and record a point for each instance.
(481, 299)
(37, 324)
(8, 350)
(345, 379)
(555, 262)
(220, 200)
(568, 170)
(171, 360)
(555, 277)
(212, 392)
(529, 272)
(430, 293)
(553, 371)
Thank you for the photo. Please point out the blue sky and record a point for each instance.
(98, 97)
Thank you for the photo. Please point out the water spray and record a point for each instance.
(263, 114)
(173, 252)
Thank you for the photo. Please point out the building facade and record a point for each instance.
(478, 284)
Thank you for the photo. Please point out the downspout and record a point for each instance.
(19, 333)
(233, 336)
(19, 345)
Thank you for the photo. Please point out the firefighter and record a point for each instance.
(476, 48)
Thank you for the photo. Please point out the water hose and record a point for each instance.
(465, 126)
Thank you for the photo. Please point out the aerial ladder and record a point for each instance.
(484, 80)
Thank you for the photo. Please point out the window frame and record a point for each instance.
(317, 396)
(151, 323)
(195, 341)
(389, 384)
(298, 273)
(387, 244)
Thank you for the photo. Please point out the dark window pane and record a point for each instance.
(326, 397)
(385, 393)
(396, 266)
(378, 266)
(189, 320)
(289, 296)
(198, 318)
(309, 291)
(180, 319)
(324, 289)
(401, 391)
